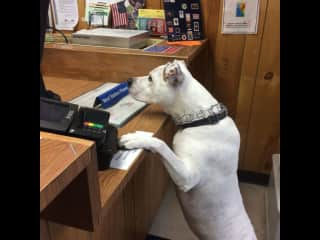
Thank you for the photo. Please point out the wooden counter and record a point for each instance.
(129, 199)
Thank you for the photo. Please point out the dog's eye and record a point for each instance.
(150, 79)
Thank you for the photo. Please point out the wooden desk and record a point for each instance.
(128, 199)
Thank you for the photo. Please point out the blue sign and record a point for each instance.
(112, 96)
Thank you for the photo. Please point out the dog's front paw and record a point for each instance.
(136, 140)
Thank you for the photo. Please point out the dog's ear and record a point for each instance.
(173, 73)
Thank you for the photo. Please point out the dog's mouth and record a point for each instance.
(135, 94)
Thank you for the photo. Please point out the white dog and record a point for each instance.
(204, 162)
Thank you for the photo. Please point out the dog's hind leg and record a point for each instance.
(183, 175)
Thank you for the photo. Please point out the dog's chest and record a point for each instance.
(212, 150)
(199, 145)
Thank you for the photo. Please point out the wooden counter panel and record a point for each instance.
(72, 196)
(98, 66)
(60, 162)
(107, 64)
(185, 52)
(56, 155)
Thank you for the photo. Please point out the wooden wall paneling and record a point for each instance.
(264, 129)
(211, 14)
(200, 71)
(249, 68)
(161, 4)
(228, 55)
(233, 61)
(153, 4)
(210, 18)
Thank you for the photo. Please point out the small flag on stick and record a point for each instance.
(119, 14)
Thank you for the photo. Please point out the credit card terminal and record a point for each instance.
(88, 123)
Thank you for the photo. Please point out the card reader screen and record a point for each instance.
(52, 112)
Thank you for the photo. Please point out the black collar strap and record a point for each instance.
(212, 119)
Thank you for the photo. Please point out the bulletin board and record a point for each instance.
(183, 20)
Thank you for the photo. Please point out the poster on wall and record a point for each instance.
(240, 16)
(65, 14)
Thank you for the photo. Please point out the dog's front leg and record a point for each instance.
(183, 175)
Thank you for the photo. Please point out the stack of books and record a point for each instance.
(122, 38)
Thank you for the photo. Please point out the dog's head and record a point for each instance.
(161, 85)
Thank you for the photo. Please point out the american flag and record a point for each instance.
(119, 14)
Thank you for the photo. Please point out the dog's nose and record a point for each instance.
(130, 81)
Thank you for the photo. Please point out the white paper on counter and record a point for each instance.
(123, 159)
